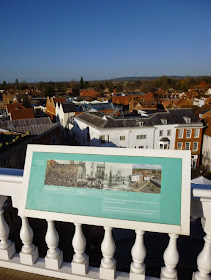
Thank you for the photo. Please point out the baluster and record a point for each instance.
(80, 261)
(171, 258)
(7, 248)
(108, 263)
(138, 252)
(29, 253)
(54, 257)
(204, 258)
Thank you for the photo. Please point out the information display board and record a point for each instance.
(127, 188)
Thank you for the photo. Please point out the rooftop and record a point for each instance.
(35, 126)
(175, 116)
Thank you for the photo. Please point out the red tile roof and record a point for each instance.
(14, 106)
(90, 92)
(59, 99)
(20, 114)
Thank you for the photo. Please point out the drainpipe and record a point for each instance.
(154, 137)
(128, 145)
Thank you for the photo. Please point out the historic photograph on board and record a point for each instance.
(144, 178)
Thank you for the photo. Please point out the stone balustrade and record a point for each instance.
(53, 264)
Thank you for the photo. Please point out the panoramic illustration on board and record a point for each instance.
(144, 178)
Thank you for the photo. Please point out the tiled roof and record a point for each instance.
(208, 131)
(126, 123)
(13, 106)
(34, 126)
(182, 102)
(22, 114)
(204, 109)
(160, 91)
(175, 116)
(98, 121)
(90, 92)
(93, 119)
(59, 99)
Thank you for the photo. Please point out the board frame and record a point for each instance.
(185, 156)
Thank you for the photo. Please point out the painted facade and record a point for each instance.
(176, 129)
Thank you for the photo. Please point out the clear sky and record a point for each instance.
(61, 40)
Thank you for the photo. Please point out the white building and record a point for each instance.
(155, 132)
(199, 101)
(94, 129)
(64, 114)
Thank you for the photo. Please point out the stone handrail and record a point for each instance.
(28, 258)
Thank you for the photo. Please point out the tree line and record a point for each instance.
(164, 82)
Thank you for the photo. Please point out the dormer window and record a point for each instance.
(164, 121)
(187, 119)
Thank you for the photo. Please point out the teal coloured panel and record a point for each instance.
(146, 189)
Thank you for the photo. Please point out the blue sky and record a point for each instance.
(61, 40)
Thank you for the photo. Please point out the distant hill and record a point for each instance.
(143, 78)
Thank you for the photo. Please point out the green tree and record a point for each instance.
(81, 83)
(109, 85)
(49, 90)
(23, 98)
(4, 84)
(74, 84)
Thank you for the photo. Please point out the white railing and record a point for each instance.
(28, 259)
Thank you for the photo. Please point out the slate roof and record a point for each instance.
(97, 120)
(34, 126)
(175, 116)
(68, 107)
(93, 119)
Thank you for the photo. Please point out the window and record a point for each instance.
(195, 146)
(187, 119)
(180, 133)
(196, 133)
(122, 138)
(141, 136)
(179, 146)
(141, 123)
(108, 138)
(187, 145)
(188, 133)
(168, 132)
(164, 121)
(164, 146)
(160, 132)
(141, 147)
(102, 139)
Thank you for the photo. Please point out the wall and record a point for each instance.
(112, 136)
(171, 137)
